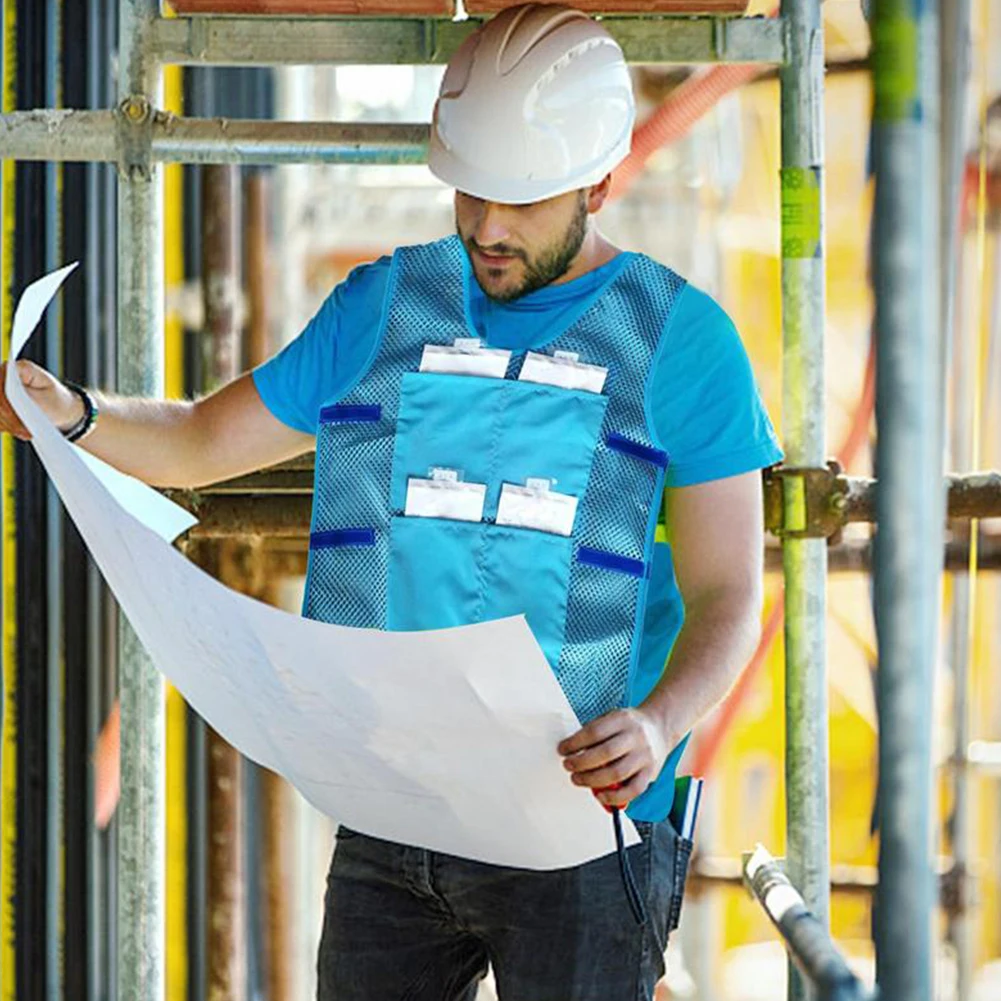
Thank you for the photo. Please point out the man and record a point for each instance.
(496, 417)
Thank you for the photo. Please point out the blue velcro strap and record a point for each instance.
(342, 537)
(344, 413)
(645, 452)
(611, 561)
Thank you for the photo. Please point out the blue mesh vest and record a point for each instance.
(585, 596)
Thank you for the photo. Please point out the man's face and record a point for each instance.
(516, 249)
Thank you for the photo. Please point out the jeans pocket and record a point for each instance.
(682, 856)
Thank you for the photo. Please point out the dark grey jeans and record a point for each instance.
(405, 924)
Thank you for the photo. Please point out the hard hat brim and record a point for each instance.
(471, 180)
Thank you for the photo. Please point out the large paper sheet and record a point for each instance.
(445, 740)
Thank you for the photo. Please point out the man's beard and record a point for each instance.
(546, 266)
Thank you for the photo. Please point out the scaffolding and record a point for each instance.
(806, 502)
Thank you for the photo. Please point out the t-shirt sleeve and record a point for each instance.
(703, 401)
(333, 351)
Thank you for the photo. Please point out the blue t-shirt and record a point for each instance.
(701, 400)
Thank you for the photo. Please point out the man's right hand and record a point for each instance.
(61, 405)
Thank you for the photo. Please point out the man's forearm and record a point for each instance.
(156, 441)
(173, 443)
(717, 639)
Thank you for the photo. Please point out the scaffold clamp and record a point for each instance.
(805, 502)
(135, 138)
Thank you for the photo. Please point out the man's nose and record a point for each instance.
(492, 224)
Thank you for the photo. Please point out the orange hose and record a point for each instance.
(676, 116)
(107, 774)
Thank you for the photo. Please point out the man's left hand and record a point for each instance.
(624, 749)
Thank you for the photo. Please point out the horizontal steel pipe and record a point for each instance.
(257, 41)
(93, 136)
(977, 495)
(855, 556)
(281, 516)
(87, 136)
(806, 939)
(234, 141)
(709, 870)
(276, 502)
(985, 756)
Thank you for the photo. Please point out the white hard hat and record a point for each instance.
(535, 103)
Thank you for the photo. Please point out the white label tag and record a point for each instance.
(564, 371)
(460, 359)
(538, 486)
(444, 498)
(543, 510)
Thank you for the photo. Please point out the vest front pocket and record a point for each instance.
(494, 431)
(450, 573)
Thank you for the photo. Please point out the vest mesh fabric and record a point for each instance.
(617, 514)
(354, 461)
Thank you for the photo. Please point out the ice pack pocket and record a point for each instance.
(434, 581)
(439, 497)
(544, 510)
(465, 358)
(448, 573)
(494, 431)
(563, 370)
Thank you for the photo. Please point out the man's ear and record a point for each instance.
(597, 194)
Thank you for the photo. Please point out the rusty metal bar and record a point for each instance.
(977, 495)
(256, 196)
(276, 880)
(282, 516)
(833, 501)
(225, 902)
(273, 792)
(220, 281)
(257, 41)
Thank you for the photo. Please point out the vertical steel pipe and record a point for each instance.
(226, 945)
(55, 831)
(140, 372)
(910, 501)
(274, 805)
(257, 196)
(803, 424)
(961, 351)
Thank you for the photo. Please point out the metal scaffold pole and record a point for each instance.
(910, 501)
(140, 372)
(803, 420)
(955, 69)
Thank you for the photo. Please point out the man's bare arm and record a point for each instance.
(169, 443)
(717, 540)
